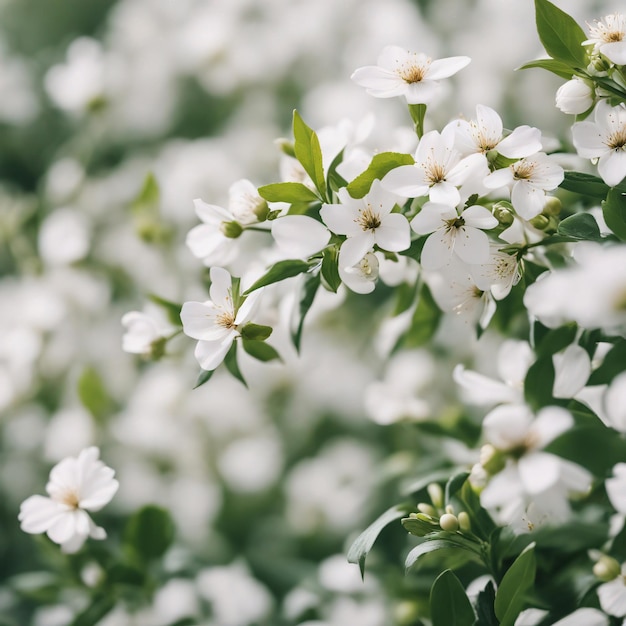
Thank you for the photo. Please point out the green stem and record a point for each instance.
(418, 112)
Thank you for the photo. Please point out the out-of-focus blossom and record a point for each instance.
(608, 37)
(612, 595)
(76, 485)
(145, 332)
(574, 97)
(64, 237)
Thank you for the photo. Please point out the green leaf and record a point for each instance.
(149, 532)
(308, 152)
(260, 350)
(203, 377)
(415, 485)
(614, 212)
(454, 484)
(172, 309)
(123, 574)
(431, 545)
(309, 289)
(287, 192)
(256, 332)
(484, 607)
(614, 363)
(94, 395)
(552, 341)
(424, 322)
(539, 383)
(363, 543)
(482, 524)
(515, 587)
(148, 196)
(230, 361)
(330, 269)
(279, 271)
(585, 185)
(381, 164)
(449, 603)
(99, 607)
(560, 35)
(580, 226)
(556, 67)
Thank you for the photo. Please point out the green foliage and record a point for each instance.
(99, 607)
(515, 587)
(203, 377)
(287, 192)
(256, 332)
(149, 532)
(424, 322)
(94, 395)
(232, 365)
(580, 226)
(279, 271)
(330, 268)
(449, 603)
(260, 350)
(307, 150)
(563, 70)
(310, 286)
(381, 164)
(560, 35)
(172, 309)
(614, 211)
(614, 363)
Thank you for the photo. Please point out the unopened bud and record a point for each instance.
(541, 222)
(450, 509)
(503, 214)
(607, 568)
(600, 64)
(436, 494)
(449, 522)
(423, 507)
(232, 230)
(464, 522)
(552, 206)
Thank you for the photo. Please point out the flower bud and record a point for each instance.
(552, 206)
(231, 230)
(449, 522)
(423, 507)
(574, 97)
(406, 612)
(464, 522)
(540, 222)
(436, 494)
(503, 213)
(606, 568)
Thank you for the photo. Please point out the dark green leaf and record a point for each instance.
(585, 185)
(172, 309)
(308, 152)
(405, 297)
(553, 341)
(330, 269)
(99, 607)
(381, 164)
(482, 524)
(203, 377)
(363, 543)
(449, 603)
(556, 67)
(230, 361)
(123, 574)
(560, 35)
(279, 271)
(287, 192)
(149, 532)
(414, 251)
(309, 289)
(454, 484)
(93, 394)
(539, 383)
(484, 607)
(431, 545)
(580, 226)
(257, 332)
(614, 363)
(424, 322)
(614, 211)
(260, 350)
(515, 587)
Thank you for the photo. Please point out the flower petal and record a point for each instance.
(522, 142)
(527, 199)
(211, 353)
(394, 233)
(299, 236)
(471, 245)
(443, 68)
(612, 167)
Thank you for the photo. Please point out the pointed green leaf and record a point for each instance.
(288, 192)
(581, 226)
(149, 195)
(424, 322)
(309, 289)
(203, 377)
(560, 35)
(539, 383)
(585, 185)
(279, 271)
(449, 603)
(172, 309)
(256, 332)
(363, 543)
(556, 67)
(230, 361)
(454, 484)
(614, 212)
(308, 152)
(149, 532)
(484, 607)
(513, 592)
(330, 269)
(381, 164)
(260, 350)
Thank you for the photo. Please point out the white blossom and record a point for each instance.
(612, 595)
(608, 37)
(360, 277)
(575, 96)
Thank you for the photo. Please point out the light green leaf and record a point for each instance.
(260, 350)
(287, 192)
(279, 271)
(581, 226)
(172, 309)
(381, 164)
(149, 532)
(363, 543)
(94, 395)
(149, 195)
(449, 603)
(556, 67)
(330, 269)
(560, 35)
(513, 591)
(308, 152)
(614, 212)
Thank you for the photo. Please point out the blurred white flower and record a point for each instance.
(604, 139)
(612, 595)
(574, 97)
(145, 331)
(584, 617)
(616, 488)
(608, 37)
(362, 276)
(76, 485)
(403, 73)
(499, 274)
(64, 237)
(614, 404)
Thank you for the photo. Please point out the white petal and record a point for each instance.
(445, 193)
(211, 353)
(407, 181)
(221, 286)
(479, 389)
(507, 426)
(354, 249)
(572, 368)
(616, 488)
(584, 617)
(550, 422)
(588, 140)
(612, 167)
(471, 245)
(527, 200)
(199, 321)
(211, 213)
(612, 596)
(64, 527)
(379, 82)
(432, 217)
(204, 239)
(299, 236)
(394, 233)
(422, 92)
(341, 218)
(522, 142)
(443, 68)
(615, 403)
(479, 217)
(539, 471)
(499, 178)
(514, 359)
(489, 122)
(249, 307)
(38, 513)
(438, 249)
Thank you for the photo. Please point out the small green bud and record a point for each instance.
(261, 210)
(541, 222)
(157, 348)
(606, 568)
(600, 64)
(492, 459)
(464, 522)
(232, 230)
(503, 214)
(435, 493)
(449, 522)
(552, 206)
(428, 509)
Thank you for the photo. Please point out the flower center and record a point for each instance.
(414, 73)
(481, 139)
(523, 170)
(70, 498)
(454, 223)
(368, 219)
(226, 320)
(617, 140)
(436, 173)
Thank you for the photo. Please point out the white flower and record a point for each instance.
(528, 179)
(584, 617)
(608, 37)
(215, 323)
(76, 485)
(299, 236)
(438, 170)
(572, 368)
(485, 134)
(245, 203)
(403, 73)
(144, 331)
(616, 488)
(605, 140)
(498, 274)
(574, 97)
(612, 595)
(614, 402)
(360, 277)
(366, 222)
(453, 234)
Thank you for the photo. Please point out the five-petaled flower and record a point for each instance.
(76, 485)
(608, 37)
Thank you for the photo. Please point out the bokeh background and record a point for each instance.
(267, 486)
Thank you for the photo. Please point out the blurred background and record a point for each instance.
(266, 487)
